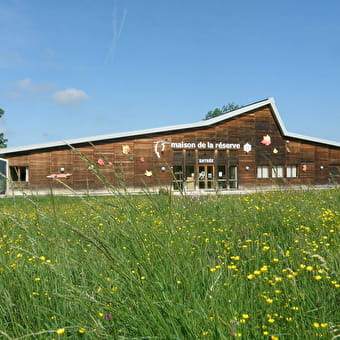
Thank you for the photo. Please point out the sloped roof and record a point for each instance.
(200, 124)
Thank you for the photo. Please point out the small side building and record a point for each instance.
(248, 148)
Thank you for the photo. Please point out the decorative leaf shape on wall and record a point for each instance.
(266, 140)
(126, 149)
(100, 161)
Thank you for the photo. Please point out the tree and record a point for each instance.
(225, 109)
(3, 140)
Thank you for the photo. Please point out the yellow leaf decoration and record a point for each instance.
(126, 149)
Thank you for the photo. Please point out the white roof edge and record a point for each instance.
(202, 123)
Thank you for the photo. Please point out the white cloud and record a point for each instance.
(70, 97)
(27, 85)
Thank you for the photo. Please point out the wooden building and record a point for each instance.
(244, 149)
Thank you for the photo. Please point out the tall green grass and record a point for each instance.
(260, 266)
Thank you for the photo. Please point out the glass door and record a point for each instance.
(178, 177)
(190, 177)
(206, 176)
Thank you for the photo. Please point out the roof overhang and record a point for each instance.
(168, 129)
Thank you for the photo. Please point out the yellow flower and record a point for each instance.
(271, 320)
(309, 268)
(273, 337)
(316, 324)
(245, 316)
(81, 330)
(323, 324)
(317, 277)
(60, 331)
(264, 269)
(250, 277)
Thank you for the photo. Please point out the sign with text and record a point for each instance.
(205, 145)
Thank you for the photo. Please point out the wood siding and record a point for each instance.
(129, 160)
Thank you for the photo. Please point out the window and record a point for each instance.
(277, 171)
(291, 171)
(262, 171)
(19, 173)
(334, 171)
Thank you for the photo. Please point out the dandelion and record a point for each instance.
(250, 276)
(323, 324)
(317, 277)
(264, 269)
(278, 279)
(81, 330)
(60, 331)
(316, 324)
(309, 268)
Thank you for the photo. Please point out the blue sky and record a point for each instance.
(77, 68)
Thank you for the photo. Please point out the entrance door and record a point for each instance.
(3, 176)
(206, 176)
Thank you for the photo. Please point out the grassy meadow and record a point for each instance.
(259, 266)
